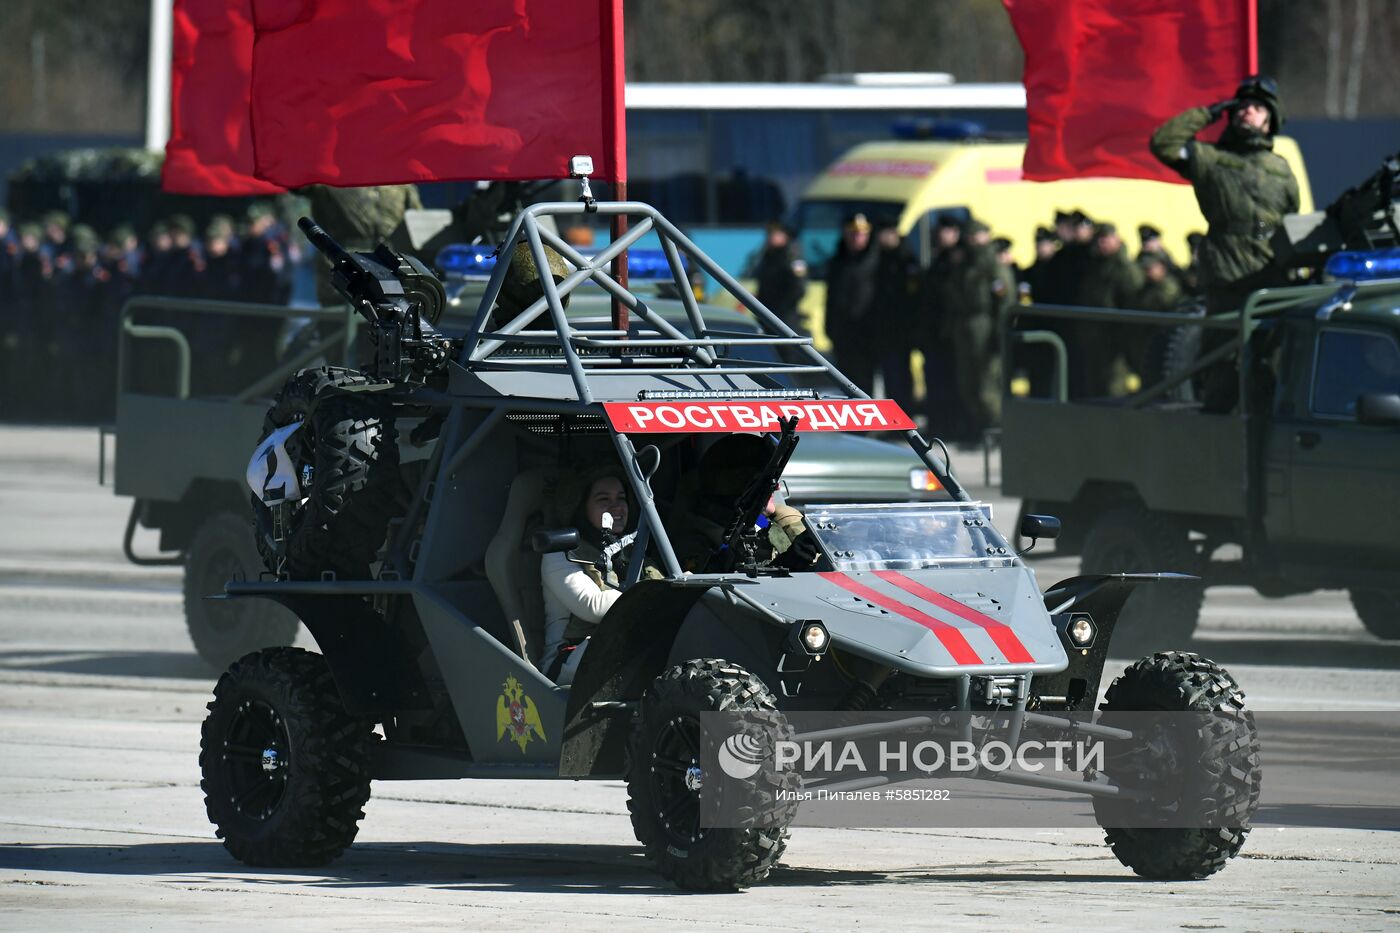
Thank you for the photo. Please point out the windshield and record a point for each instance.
(909, 536)
(818, 225)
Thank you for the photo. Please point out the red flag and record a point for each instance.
(211, 144)
(1101, 75)
(368, 92)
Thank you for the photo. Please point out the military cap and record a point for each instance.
(85, 238)
(1151, 259)
(220, 225)
(978, 226)
(1044, 234)
(57, 219)
(1001, 244)
(120, 234)
(1195, 239)
(259, 209)
(30, 229)
(182, 223)
(1104, 229)
(1063, 217)
(159, 228)
(948, 220)
(1080, 218)
(1148, 232)
(1263, 89)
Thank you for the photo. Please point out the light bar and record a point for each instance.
(460, 260)
(1362, 266)
(924, 128)
(660, 395)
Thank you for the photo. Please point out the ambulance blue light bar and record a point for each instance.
(924, 128)
(1363, 266)
(464, 261)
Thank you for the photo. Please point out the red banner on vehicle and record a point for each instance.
(710, 417)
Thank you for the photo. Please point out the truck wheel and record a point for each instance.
(285, 767)
(224, 630)
(1379, 611)
(348, 458)
(1156, 616)
(665, 781)
(1218, 753)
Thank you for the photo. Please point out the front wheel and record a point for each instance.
(224, 630)
(665, 781)
(1379, 611)
(1194, 767)
(285, 767)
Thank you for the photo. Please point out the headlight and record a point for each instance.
(1081, 631)
(809, 636)
(923, 480)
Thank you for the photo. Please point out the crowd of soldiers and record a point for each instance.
(62, 288)
(881, 304)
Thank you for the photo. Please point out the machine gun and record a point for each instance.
(747, 533)
(1364, 217)
(400, 298)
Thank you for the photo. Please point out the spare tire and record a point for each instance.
(1173, 351)
(346, 458)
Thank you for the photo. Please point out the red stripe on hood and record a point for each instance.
(948, 635)
(1000, 632)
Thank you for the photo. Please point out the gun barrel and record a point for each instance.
(323, 241)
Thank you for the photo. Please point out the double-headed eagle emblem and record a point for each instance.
(516, 715)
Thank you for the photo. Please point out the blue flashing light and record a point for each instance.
(1364, 266)
(460, 260)
(924, 128)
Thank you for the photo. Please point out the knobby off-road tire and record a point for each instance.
(224, 630)
(285, 767)
(1158, 615)
(1218, 756)
(349, 442)
(709, 859)
(1172, 351)
(1379, 611)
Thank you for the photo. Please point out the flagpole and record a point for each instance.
(619, 227)
(1251, 35)
(158, 76)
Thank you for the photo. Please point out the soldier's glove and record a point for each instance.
(1219, 108)
(802, 552)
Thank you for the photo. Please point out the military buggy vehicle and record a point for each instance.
(185, 415)
(429, 644)
(1288, 485)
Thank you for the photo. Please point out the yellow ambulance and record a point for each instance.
(914, 183)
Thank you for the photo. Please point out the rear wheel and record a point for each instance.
(1158, 615)
(285, 767)
(1202, 768)
(1379, 611)
(224, 630)
(665, 781)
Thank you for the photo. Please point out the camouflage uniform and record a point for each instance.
(1243, 188)
(969, 321)
(359, 218)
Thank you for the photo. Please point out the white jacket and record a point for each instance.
(568, 591)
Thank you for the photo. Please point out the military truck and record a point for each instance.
(1289, 486)
(429, 664)
(185, 422)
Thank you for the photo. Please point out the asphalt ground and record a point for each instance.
(102, 821)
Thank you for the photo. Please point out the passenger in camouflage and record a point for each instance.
(359, 218)
(1244, 188)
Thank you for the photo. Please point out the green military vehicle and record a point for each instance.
(186, 420)
(1289, 486)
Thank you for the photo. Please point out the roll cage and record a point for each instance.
(581, 369)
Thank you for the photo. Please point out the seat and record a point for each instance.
(512, 566)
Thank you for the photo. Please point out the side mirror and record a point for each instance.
(1378, 408)
(1039, 526)
(551, 541)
